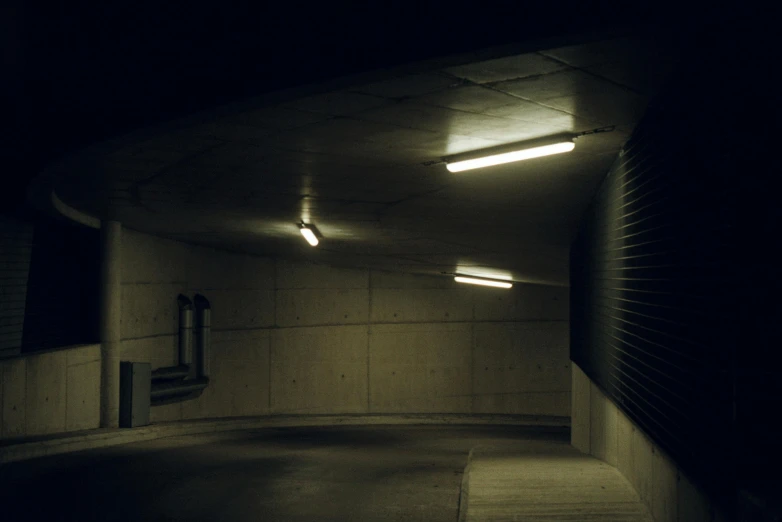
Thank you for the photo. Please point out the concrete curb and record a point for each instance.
(12, 451)
(464, 492)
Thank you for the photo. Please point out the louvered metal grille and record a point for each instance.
(15, 246)
(653, 314)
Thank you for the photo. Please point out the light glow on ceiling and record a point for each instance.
(509, 157)
(309, 235)
(483, 282)
(470, 269)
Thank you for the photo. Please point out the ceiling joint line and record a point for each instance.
(595, 75)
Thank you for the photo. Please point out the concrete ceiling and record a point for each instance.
(361, 162)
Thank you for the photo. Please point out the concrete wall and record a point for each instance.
(50, 392)
(307, 338)
(604, 431)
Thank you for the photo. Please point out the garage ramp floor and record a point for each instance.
(343, 473)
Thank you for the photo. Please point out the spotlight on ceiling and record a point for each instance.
(483, 281)
(309, 233)
(510, 153)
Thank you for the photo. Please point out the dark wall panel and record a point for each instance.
(674, 284)
(16, 239)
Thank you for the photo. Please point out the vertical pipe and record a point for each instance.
(206, 342)
(204, 328)
(111, 291)
(185, 331)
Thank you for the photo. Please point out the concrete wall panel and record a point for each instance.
(83, 354)
(159, 351)
(319, 370)
(82, 408)
(521, 357)
(241, 309)
(521, 368)
(50, 392)
(305, 275)
(522, 303)
(603, 426)
(395, 305)
(379, 279)
(548, 403)
(643, 458)
(597, 422)
(239, 377)
(166, 413)
(210, 269)
(500, 361)
(46, 393)
(624, 446)
(423, 368)
(664, 477)
(14, 373)
(150, 309)
(149, 259)
(580, 424)
(611, 422)
(321, 306)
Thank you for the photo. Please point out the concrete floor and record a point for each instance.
(284, 474)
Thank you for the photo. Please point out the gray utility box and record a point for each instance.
(135, 383)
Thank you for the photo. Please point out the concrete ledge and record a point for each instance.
(12, 450)
(464, 491)
(498, 450)
(542, 480)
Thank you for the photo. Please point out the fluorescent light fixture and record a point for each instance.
(483, 282)
(482, 272)
(309, 234)
(528, 152)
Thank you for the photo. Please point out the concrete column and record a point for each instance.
(111, 292)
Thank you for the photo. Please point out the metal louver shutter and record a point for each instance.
(16, 239)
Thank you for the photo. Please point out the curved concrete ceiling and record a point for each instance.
(361, 162)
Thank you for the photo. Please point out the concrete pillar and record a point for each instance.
(111, 292)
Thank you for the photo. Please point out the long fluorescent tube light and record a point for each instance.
(309, 235)
(483, 282)
(508, 157)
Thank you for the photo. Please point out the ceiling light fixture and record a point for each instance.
(308, 231)
(483, 282)
(517, 152)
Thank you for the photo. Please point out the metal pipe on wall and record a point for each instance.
(170, 373)
(204, 333)
(175, 398)
(188, 379)
(185, 330)
(185, 366)
(163, 390)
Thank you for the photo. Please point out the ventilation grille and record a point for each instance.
(653, 313)
(16, 239)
